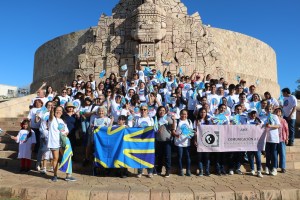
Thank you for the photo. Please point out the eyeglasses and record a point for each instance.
(143, 109)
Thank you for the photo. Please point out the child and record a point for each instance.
(26, 140)
(182, 142)
(283, 136)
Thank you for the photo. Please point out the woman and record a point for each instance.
(126, 111)
(272, 125)
(203, 157)
(57, 130)
(183, 142)
(35, 122)
(144, 121)
(271, 101)
(50, 94)
(72, 119)
(100, 89)
(64, 98)
(164, 140)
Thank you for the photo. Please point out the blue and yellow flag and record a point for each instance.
(118, 147)
(66, 161)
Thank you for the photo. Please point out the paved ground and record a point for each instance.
(35, 186)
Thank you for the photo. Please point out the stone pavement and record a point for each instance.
(36, 186)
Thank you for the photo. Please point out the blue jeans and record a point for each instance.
(291, 124)
(271, 155)
(257, 155)
(281, 148)
(186, 151)
(163, 150)
(204, 157)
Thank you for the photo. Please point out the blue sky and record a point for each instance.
(25, 25)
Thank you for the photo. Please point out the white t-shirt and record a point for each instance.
(232, 99)
(44, 100)
(272, 134)
(44, 124)
(77, 104)
(213, 101)
(99, 122)
(55, 127)
(141, 76)
(183, 141)
(115, 110)
(288, 104)
(273, 102)
(63, 100)
(141, 94)
(31, 116)
(144, 122)
(25, 146)
(191, 102)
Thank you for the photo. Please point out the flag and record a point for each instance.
(66, 162)
(238, 78)
(160, 77)
(148, 71)
(124, 67)
(186, 131)
(155, 124)
(102, 74)
(118, 147)
(181, 72)
(236, 120)
(219, 119)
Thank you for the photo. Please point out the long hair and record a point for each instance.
(199, 118)
(158, 109)
(26, 121)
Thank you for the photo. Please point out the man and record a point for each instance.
(289, 110)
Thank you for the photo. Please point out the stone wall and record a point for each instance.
(55, 61)
(247, 57)
(241, 55)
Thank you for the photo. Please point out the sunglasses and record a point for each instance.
(144, 109)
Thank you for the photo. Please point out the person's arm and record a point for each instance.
(42, 86)
(165, 73)
(192, 77)
(293, 110)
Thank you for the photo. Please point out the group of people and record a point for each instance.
(177, 102)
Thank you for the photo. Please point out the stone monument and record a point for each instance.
(153, 32)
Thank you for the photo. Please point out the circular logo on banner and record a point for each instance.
(210, 139)
(286, 103)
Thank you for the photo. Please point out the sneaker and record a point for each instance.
(238, 171)
(180, 173)
(219, 173)
(231, 172)
(188, 173)
(200, 173)
(139, 176)
(150, 175)
(267, 171)
(43, 171)
(54, 179)
(274, 172)
(38, 168)
(283, 170)
(51, 169)
(70, 178)
(259, 174)
(253, 172)
(167, 175)
(207, 173)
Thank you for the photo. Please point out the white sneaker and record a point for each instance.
(253, 172)
(139, 176)
(43, 171)
(259, 174)
(38, 168)
(51, 169)
(274, 172)
(150, 175)
(267, 171)
(231, 172)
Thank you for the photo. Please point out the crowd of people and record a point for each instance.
(176, 101)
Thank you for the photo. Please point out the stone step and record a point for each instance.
(9, 146)
(293, 149)
(8, 154)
